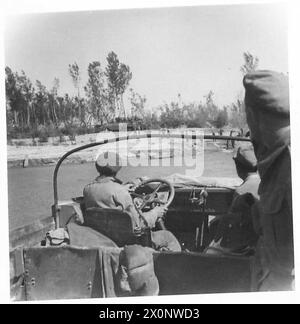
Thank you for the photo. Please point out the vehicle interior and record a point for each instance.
(75, 269)
(190, 211)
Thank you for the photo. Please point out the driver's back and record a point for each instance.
(107, 192)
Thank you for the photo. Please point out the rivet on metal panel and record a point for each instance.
(32, 281)
(89, 285)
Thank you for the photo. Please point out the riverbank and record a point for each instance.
(26, 156)
(22, 153)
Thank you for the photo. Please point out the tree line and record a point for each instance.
(34, 111)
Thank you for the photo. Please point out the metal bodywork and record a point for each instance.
(48, 275)
(75, 272)
(70, 272)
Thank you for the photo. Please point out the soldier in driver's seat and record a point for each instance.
(106, 191)
(236, 232)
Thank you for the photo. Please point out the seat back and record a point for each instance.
(113, 223)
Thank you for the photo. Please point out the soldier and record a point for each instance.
(246, 167)
(108, 192)
(235, 231)
(268, 117)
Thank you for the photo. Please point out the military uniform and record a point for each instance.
(235, 231)
(267, 110)
(107, 192)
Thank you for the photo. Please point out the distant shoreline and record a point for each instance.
(22, 156)
(19, 163)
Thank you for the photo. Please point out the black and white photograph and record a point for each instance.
(148, 152)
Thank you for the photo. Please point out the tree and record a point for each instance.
(53, 101)
(137, 105)
(124, 78)
(76, 79)
(171, 116)
(150, 121)
(211, 107)
(75, 75)
(222, 118)
(11, 93)
(251, 63)
(41, 104)
(19, 96)
(195, 115)
(97, 96)
(27, 92)
(237, 114)
(118, 78)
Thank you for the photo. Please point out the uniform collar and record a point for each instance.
(103, 179)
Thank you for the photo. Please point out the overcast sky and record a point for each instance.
(178, 50)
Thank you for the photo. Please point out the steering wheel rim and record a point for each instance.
(148, 199)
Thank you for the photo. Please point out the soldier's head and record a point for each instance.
(108, 164)
(267, 111)
(245, 162)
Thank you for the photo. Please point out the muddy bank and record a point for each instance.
(35, 162)
(22, 156)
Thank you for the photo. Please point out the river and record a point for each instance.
(30, 191)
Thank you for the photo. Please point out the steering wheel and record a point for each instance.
(150, 199)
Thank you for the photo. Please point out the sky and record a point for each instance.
(186, 50)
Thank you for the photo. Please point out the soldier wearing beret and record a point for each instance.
(235, 231)
(106, 191)
(268, 117)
